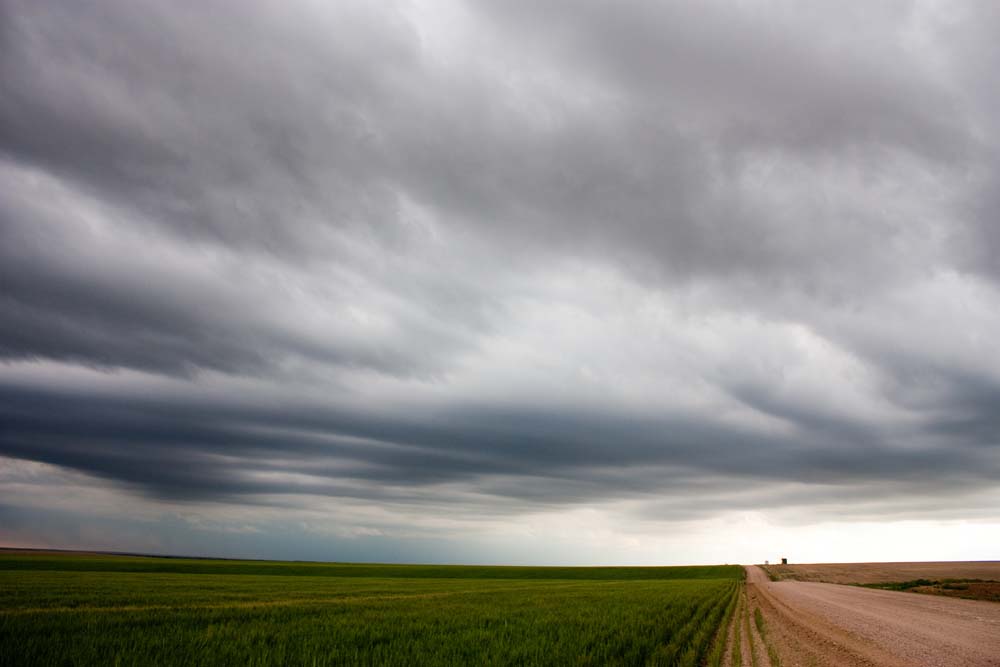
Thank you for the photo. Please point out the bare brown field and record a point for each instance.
(878, 573)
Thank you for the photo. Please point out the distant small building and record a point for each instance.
(767, 562)
(784, 561)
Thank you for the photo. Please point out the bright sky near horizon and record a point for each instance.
(501, 281)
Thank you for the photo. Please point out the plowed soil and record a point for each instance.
(877, 573)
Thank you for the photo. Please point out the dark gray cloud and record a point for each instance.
(504, 256)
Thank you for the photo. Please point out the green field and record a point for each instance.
(73, 609)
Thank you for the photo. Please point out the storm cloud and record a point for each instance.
(482, 261)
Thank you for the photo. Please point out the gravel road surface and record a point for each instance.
(829, 624)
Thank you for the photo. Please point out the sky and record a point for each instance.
(553, 282)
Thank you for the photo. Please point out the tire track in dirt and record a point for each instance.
(732, 631)
(759, 654)
(737, 652)
(745, 646)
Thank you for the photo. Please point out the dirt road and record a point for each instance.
(799, 623)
